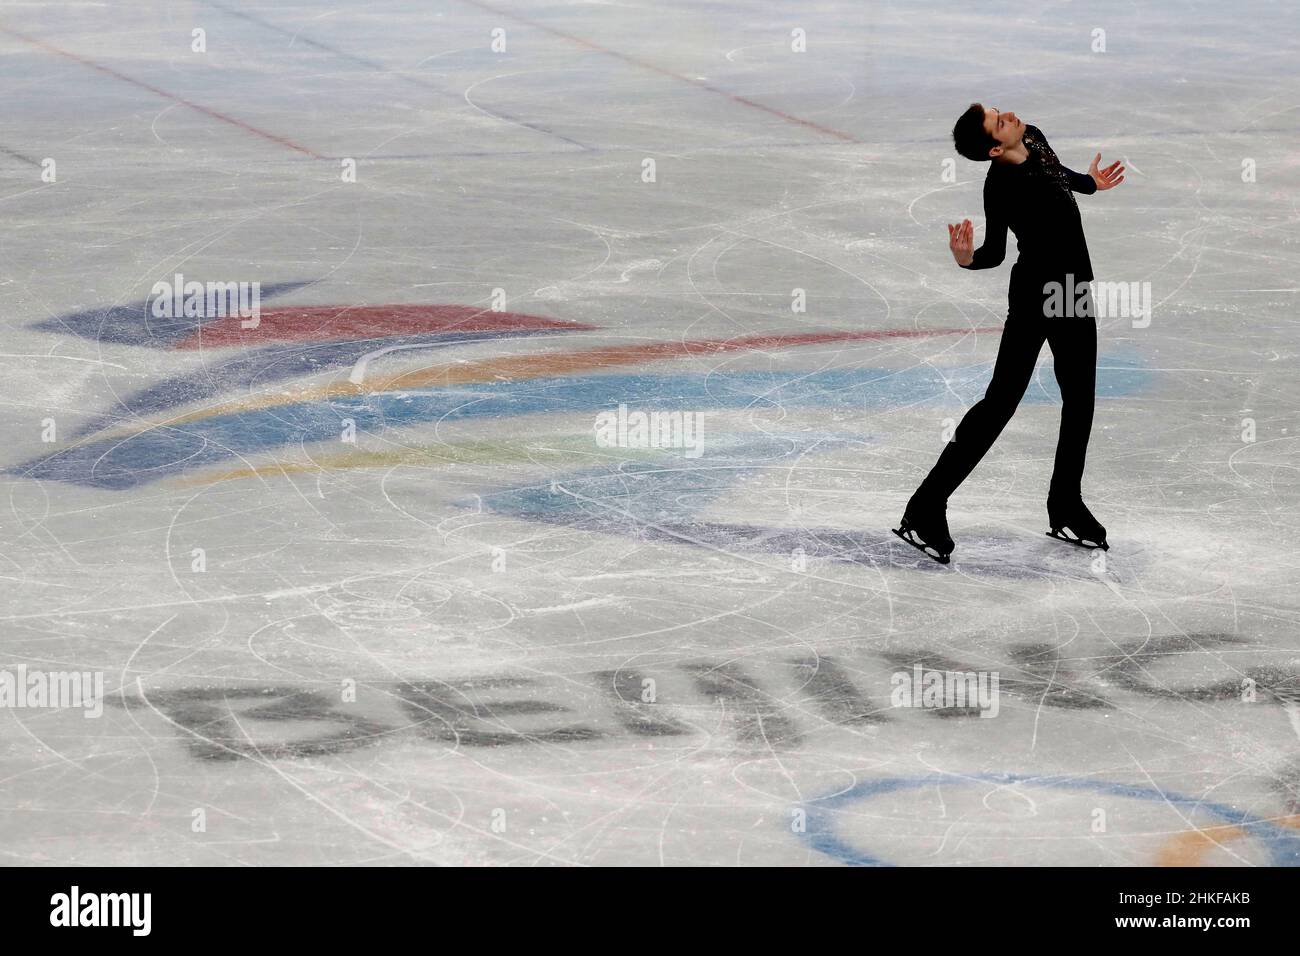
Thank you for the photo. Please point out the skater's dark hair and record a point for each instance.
(969, 137)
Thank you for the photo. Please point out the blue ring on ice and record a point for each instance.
(1283, 845)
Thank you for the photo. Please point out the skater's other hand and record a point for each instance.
(961, 240)
(1107, 178)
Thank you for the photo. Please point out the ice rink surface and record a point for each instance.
(363, 587)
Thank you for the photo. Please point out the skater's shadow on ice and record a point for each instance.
(993, 556)
(603, 504)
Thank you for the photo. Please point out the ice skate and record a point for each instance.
(1074, 517)
(925, 527)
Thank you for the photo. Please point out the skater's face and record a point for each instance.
(1005, 127)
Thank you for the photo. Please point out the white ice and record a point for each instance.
(481, 638)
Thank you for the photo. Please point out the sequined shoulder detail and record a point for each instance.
(1047, 163)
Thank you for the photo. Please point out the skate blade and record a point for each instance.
(1060, 535)
(929, 552)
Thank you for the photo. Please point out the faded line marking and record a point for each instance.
(198, 107)
(664, 71)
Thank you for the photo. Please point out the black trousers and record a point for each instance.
(1073, 340)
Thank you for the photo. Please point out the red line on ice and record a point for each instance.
(664, 71)
(206, 111)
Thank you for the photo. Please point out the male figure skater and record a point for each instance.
(1028, 191)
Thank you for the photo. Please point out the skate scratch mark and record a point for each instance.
(64, 358)
(576, 606)
(19, 156)
(197, 107)
(505, 117)
(664, 71)
(1292, 709)
(929, 192)
(560, 450)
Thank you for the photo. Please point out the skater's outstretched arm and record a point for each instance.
(1079, 182)
(1107, 178)
(961, 237)
(1096, 178)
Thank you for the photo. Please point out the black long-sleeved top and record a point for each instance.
(1035, 200)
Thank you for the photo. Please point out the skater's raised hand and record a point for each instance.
(961, 240)
(1107, 178)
